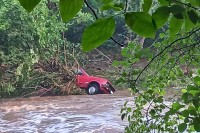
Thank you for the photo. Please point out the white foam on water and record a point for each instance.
(61, 117)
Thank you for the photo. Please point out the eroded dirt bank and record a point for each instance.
(64, 114)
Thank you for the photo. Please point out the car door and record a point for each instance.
(82, 79)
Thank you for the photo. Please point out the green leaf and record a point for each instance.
(175, 9)
(141, 23)
(179, 16)
(106, 1)
(119, 5)
(187, 97)
(193, 16)
(192, 110)
(186, 120)
(171, 112)
(194, 92)
(152, 112)
(150, 92)
(115, 63)
(98, 33)
(185, 113)
(177, 106)
(29, 5)
(123, 74)
(197, 80)
(196, 123)
(112, 6)
(160, 99)
(164, 2)
(160, 16)
(129, 109)
(175, 26)
(196, 102)
(188, 25)
(182, 127)
(183, 90)
(146, 6)
(195, 2)
(69, 8)
(192, 87)
(124, 52)
(198, 71)
(135, 71)
(120, 80)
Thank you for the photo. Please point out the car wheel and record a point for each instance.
(93, 89)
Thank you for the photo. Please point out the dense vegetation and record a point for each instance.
(35, 55)
(170, 60)
(39, 52)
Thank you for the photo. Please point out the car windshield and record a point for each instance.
(79, 72)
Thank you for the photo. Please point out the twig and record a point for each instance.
(122, 45)
(147, 111)
(187, 46)
(64, 48)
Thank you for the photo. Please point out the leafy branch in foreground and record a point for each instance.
(144, 22)
(88, 46)
(164, 72)
(162, 51)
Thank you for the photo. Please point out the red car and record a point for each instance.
(93, 85)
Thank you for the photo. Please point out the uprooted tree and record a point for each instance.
(172, 59)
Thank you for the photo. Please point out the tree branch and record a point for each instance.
(95, 15)
(182, 38)
(92, 10)
(188, 5)
(126, 5)
(104, 56)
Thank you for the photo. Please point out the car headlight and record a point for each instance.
(105, 85)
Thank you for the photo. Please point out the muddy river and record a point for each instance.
(64, 114)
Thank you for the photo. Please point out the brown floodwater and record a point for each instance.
(64, 114)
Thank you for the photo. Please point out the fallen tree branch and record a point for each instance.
(104, 55)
